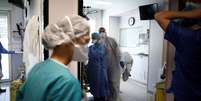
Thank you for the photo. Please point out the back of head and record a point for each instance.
(102, 30)
(63, 35)
(68, 29)
(95, 36)
(81, 30)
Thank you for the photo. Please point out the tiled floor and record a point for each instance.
(132, 91)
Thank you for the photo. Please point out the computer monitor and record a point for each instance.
(147, 11)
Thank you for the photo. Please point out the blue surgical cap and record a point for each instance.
(95, 35)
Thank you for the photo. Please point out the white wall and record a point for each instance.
(98, 19)
(156, 36)
(60, 8)
(156, 50)
(155, 57)
(121, 7)
(57, 10)
(115, 27)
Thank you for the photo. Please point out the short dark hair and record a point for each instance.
(101, 29)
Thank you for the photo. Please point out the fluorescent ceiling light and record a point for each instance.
(103, 2)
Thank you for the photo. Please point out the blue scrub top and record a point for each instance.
(50, 81)
(186, 80)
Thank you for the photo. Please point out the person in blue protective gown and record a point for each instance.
(186, 82)
(97, 69)
(51, 80)
(3, 51)
(113, 64)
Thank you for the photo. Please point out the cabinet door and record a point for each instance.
(140, 67)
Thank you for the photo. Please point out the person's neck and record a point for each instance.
(63, 60)
(97, 43)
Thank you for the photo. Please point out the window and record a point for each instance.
(5, 42)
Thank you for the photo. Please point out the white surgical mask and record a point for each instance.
(94, 41)
(80, 53)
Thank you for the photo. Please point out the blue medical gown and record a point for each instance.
(50, 81)
(186, 82)
(97, 71)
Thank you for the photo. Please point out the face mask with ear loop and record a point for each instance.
(80, 52)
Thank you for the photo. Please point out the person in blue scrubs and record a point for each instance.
(3, 51)
(51, 80)
(97, 69)
(186, 82)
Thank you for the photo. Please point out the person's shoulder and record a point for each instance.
(91, 46)
(68, 78)
(170, 24)
(112, 41)
(110, 38)
(49, 67)
(37, 66)
(174, 26)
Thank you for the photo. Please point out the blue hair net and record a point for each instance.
(95, 35)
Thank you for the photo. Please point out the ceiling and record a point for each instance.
(107, 4)
(101, 4)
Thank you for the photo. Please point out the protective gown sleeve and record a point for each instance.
(3, 50)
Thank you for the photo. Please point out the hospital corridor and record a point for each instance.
(100, 50)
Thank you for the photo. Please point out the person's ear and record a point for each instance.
(83, 39)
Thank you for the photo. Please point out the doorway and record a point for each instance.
(132, 38)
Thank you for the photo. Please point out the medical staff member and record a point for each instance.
(52, 80)
(186, 83)
(97, 69)
(113, 63)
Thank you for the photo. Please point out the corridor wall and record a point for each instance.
(57, 10)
